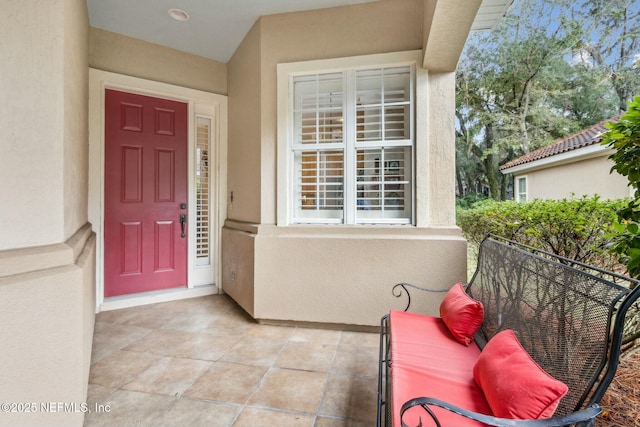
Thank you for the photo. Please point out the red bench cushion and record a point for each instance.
(426, 361)
(513, 383)
(462, 314)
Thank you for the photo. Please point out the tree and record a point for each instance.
(550, 69)
(616, 48)
(502, 85)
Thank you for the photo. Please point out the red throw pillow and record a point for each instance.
(462, 314)
(514, 385)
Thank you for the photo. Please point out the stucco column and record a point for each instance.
(442, 149)
(47, 249)
(43, 117)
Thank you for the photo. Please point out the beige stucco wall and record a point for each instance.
(379, 27)
(243, 176)
(385, 26)
(238, 263)
(310, 274)
(75, 92)
(325, 274)
(47, 248)
(46, 329)
(43, 165)
(117, 53)
(585, 177)
(435, 178)
(31, 117)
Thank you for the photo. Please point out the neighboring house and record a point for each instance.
(575, 166)
(303, 172)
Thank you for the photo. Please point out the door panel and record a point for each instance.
(145, 185)
(165, 176)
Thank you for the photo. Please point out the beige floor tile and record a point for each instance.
(254, 351)
(120, 368)
(321, 336)
(364, 339)
(129, 408)
(356, 360)
(99, 352)
(281, 333)
(253, 417)
(153, 317)
(97, 394)
(122, 315)
(340, 422)
(212, 304)
(350, 397)
(231, 323)
(110, 337)
(205, 362)
(205, 346)
(183, 305)
(196, 413)
(169, 376)
(283, 389)
(192, 321)
(309, 356)
(115, 334)
(218, 303)
(161, 342)
(228, 382)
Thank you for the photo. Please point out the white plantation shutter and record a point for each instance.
(203, 138)
(384, 142)
(384, 186)
(318, 109)
(352, 142)
(319, 184)
(319, 147)
(384, 105)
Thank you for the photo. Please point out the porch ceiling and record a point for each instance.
(214, 30)
(216, 27)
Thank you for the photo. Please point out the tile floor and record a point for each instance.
(203, 362)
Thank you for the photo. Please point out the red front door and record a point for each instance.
(145, 194)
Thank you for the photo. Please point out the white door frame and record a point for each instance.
(200, 280)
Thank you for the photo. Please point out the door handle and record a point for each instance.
(183, 221)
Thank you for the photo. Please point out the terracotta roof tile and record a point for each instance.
(584, 138)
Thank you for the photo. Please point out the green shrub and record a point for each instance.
(470, 200)
(624, 137)
(577, 228)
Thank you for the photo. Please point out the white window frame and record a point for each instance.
(285, 174)
(519, 196)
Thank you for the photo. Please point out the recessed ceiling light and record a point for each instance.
(179, 15)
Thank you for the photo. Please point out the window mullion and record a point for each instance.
(318, 178)
(317, 112)
(412, 138)
(350, 157)
(383, 118)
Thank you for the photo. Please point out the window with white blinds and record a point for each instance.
(352, 143)
(203, 138)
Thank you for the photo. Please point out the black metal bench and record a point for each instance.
(567, 315)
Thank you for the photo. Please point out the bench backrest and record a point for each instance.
(562, 312)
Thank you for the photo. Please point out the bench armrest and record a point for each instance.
(398, 292)
(583, 416)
